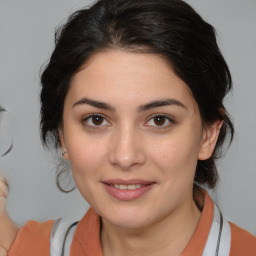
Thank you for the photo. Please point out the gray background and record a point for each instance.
(26, 41)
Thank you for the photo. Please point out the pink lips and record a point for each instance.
(127, 194)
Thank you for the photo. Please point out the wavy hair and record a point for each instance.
(169, 28)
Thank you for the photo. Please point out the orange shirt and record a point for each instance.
(34, 238)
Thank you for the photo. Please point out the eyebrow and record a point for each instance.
(141, 108)
(161, 103)
(94, 103)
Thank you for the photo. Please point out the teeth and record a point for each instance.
(123, 187)
(131, 187)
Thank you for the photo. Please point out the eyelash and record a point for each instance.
(85, 120)
(166, 119)
(104, 119)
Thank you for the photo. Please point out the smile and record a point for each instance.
(127, 190)
(123, 187)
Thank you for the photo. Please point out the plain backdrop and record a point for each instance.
(26, 41)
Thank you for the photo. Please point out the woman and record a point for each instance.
(133, 94)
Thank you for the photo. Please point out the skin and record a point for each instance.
(8, 229)
(8, 232)
(126, 141)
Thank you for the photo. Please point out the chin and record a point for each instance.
(128, 218)
(129, 223)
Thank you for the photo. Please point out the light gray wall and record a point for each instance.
(26, 41)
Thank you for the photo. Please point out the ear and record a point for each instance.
(62, 144)
(210, 137)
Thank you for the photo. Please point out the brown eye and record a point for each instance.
(97, 120)
(159, 120)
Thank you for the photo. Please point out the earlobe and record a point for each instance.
(62, 144)
(210, 137)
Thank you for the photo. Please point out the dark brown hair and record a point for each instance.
(169, 28)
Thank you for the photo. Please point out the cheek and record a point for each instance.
(87, 159)
(86, 156)
(176, 154)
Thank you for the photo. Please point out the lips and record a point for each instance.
(127, 189)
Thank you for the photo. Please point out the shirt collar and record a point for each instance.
(87, 236)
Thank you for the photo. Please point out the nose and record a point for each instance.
(126, 149)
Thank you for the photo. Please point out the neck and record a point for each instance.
(168, 236)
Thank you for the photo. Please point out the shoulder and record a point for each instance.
(32, 239)
(242, 242)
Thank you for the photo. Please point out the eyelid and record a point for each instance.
(95, 126)
(169, 118)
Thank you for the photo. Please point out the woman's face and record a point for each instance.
(133, 133)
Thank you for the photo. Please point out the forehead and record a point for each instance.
(128, 76)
